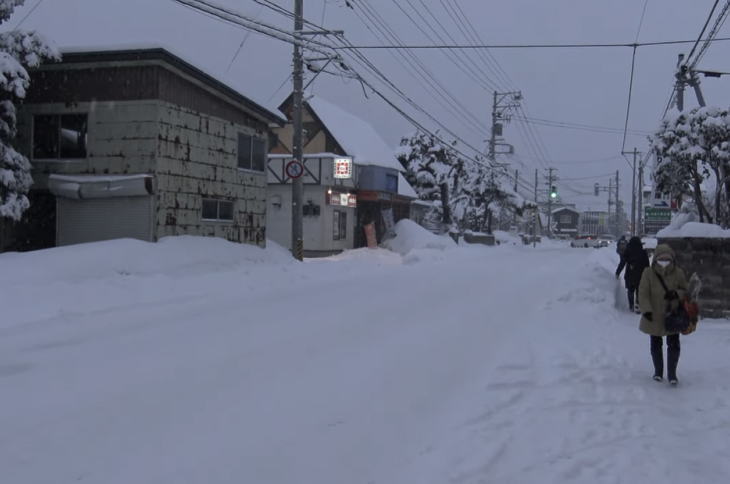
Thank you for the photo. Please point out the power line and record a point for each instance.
(641, 20)
(531, 46)
(27, 15)
(699, 38)
(420, 72)
(628, 104)
(580, 126)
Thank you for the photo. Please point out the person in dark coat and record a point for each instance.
(634, 260)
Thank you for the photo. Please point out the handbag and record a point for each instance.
(675, 320)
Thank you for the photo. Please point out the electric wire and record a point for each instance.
(702, 32)
(531, 46)
(420, 72)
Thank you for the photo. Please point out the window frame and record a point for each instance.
(253, 143)
(58, 117)
(218, 202)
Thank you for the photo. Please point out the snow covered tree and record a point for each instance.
(430, 168)
(694, 147)
(465, 192)
(678, 171)
(18, 51)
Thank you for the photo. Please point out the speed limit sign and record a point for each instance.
(294, 169)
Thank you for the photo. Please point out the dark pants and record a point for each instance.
(631, 291)
(672, 355)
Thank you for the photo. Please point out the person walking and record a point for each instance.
(662, 289)
(634, 260)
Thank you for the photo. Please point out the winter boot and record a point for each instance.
(673, 350)
(657, 357)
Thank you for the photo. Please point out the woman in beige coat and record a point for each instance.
(655, 302)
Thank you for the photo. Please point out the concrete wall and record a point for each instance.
(710, 259)
(192, 155)
(198, 158)
(122, 138)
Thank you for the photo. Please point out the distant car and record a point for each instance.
(604, 240)
(584, 241)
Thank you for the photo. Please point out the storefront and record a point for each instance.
(329, 203)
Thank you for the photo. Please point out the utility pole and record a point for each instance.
(640, 210)
(297, 238)
(636, 153)
(610, 203)
(618, 206)
(537, 211)
(550, 180)
(502, 102)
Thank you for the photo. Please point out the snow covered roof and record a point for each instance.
(354, 135)
(565, 208)
(404, 188)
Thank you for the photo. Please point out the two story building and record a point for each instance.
(141, 144)
(376, 191)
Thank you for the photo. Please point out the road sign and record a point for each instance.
(294, 169)
(657, 214)
(656, 218)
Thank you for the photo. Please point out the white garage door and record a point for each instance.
(103, 219)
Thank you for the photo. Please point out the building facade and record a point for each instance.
(141, 144)
(565, 222)
(382, 194)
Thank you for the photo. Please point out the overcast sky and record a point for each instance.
(588, 86)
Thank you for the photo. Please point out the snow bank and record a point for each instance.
(693, 229)
(184, 255)
(102, 275)
(411, 236)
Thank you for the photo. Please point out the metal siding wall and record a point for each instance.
(82, 221)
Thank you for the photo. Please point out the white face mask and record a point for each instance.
(663, 263)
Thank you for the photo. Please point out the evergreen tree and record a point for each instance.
(18, 51)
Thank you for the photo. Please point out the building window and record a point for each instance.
(339, 231)
(217, 210)
(59, 136)
(251, 152)
(391, 183)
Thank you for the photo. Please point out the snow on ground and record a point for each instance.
(195, 360)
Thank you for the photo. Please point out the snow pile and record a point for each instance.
(173, 256)
(410, 236)
(693, 229)
(507, 238)
(102, 275)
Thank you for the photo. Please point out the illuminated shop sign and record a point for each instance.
(341, 199)
(343, 168)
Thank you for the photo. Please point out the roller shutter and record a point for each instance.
(92, 220)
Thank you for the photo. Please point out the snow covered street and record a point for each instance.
(199, 361)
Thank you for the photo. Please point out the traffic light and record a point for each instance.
(553, 192)
(596, 188)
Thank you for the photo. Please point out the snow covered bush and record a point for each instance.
(18, 51)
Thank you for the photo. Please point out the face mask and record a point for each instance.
(663, 263)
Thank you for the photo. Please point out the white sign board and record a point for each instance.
(343, 168)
